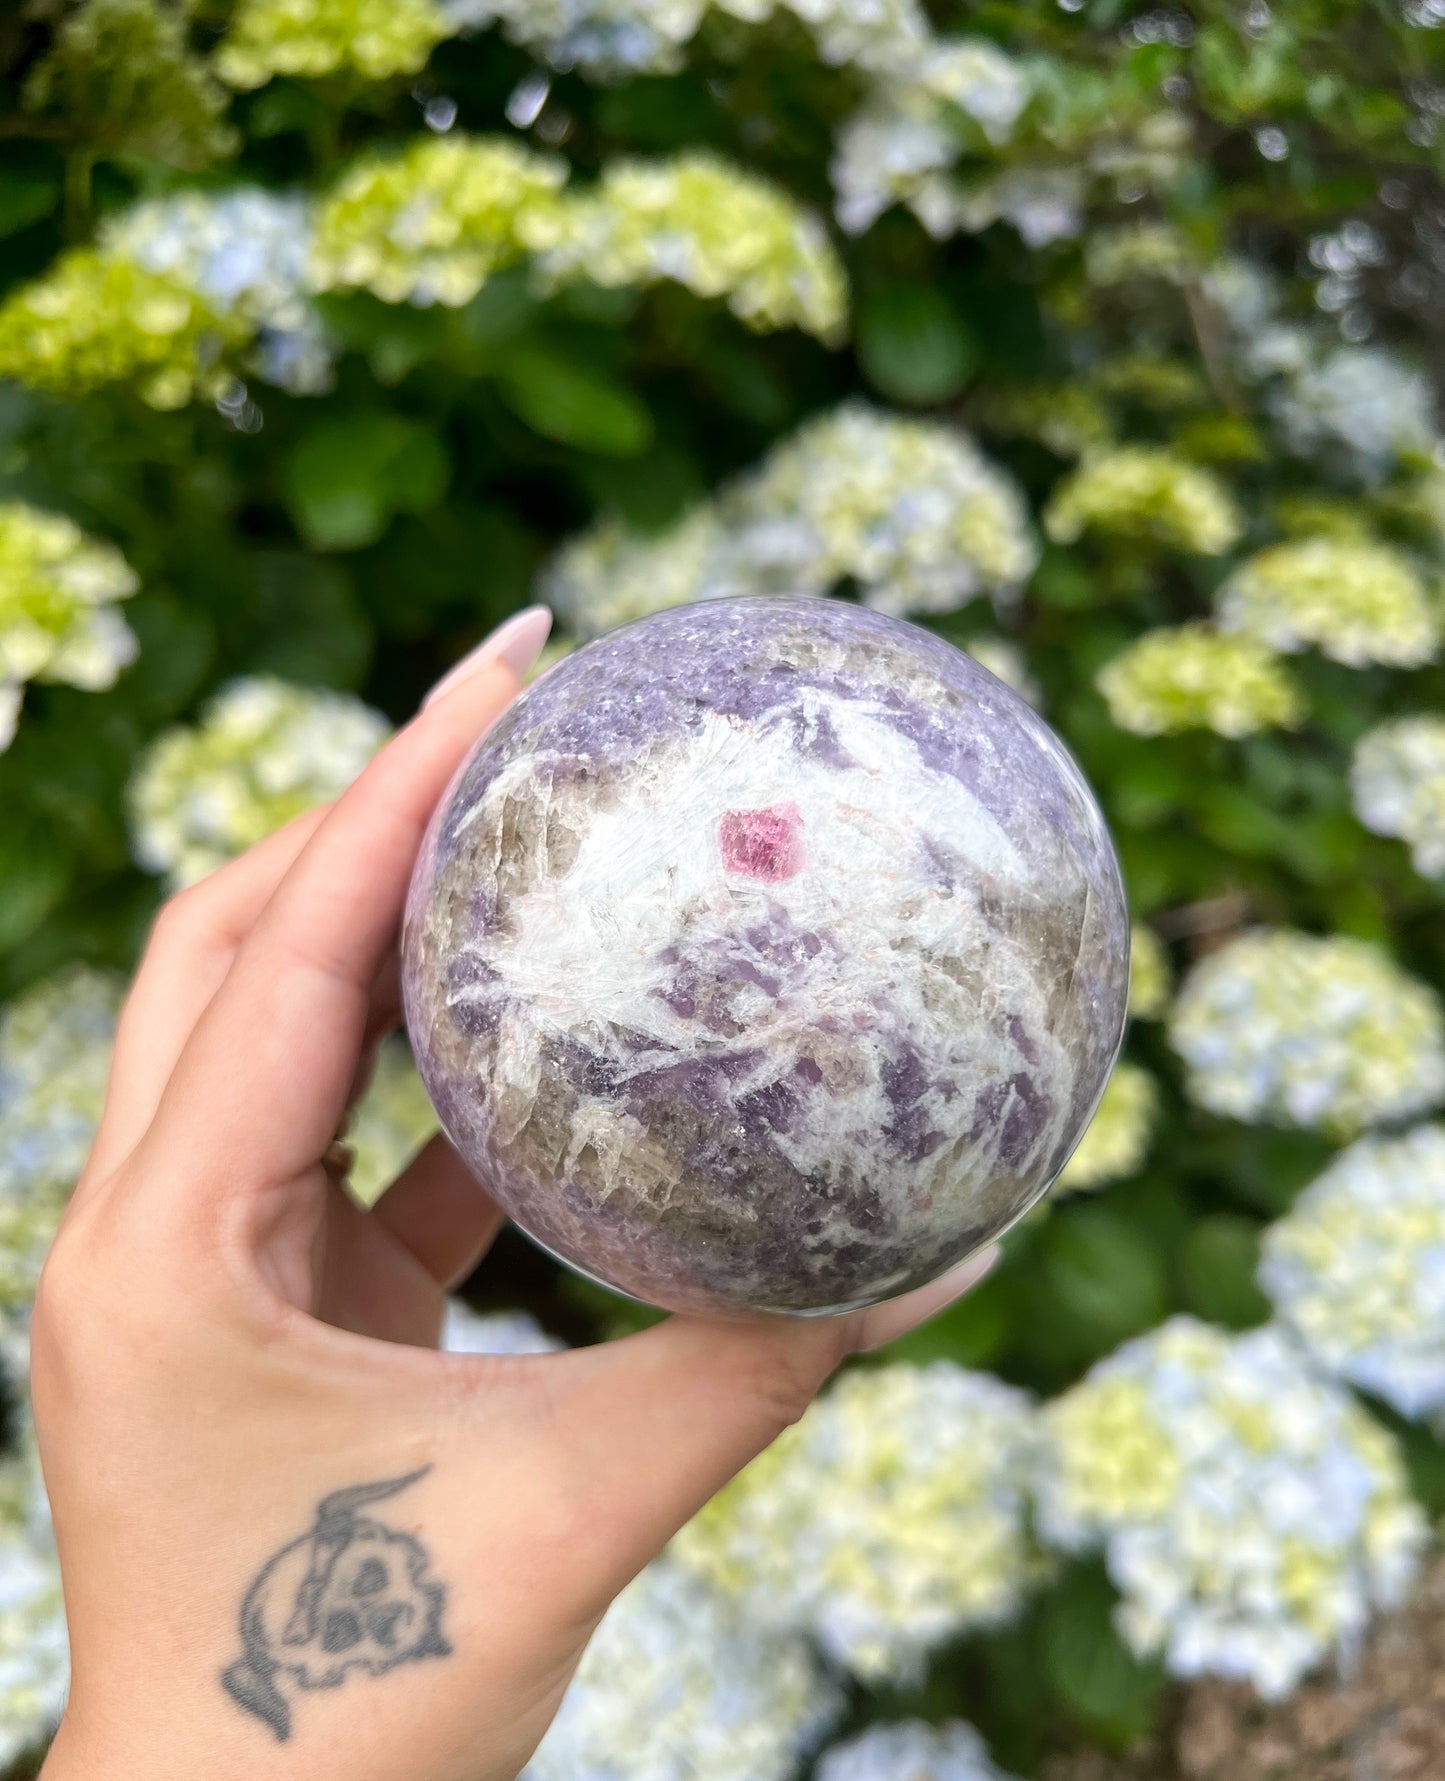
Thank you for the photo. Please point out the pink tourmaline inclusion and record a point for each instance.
(762, 843)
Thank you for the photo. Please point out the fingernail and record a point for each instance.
(517, 643)
(887, 1322)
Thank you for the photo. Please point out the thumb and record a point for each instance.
(652, 1425)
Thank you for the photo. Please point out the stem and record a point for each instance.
(79, 165)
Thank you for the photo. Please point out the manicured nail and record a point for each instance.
(517, 643)
(896, 1317)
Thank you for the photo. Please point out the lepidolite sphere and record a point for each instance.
(769, 954)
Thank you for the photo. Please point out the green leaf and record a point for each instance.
(307, 624)
(1217, 1263)
(1090, 1667)
(35, 868)
(1103, 1271)
(576, 404)
(349, 475)
(25, 197)
(913, 344)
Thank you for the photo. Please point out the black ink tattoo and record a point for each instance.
(351, 1594)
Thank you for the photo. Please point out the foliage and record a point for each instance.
(1101, 337)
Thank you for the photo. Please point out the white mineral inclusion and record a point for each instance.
(769, 955)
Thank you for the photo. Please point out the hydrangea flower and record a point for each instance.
(1250, 1513)
(1116, 1141)
(1397, 779)
(96, 318)
(244, 253)
(55, 1046)
(432, 223)
(678, 1685)
(713, 227)
(1149, 979)
(1356, 1268)
(34, 1648)
(1147, 493)
(465, 1331)
(57, 592)
(1364, 402)
(911, 1750)
(889, 1518)
(1192, 677)
(1289, 1029)
(310, 38)
(390, 1124)
(909, 510)
(1356, 602)
(1007, 662)
(263, 752)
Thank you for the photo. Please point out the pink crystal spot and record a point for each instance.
(762, 843)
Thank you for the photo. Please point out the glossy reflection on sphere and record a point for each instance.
(768, 955)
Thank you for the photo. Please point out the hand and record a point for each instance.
(295, 1539)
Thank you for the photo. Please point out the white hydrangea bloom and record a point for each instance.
(1397, 779)
(246, 252)
(608, 576)
(263, 752)
(679, 1685)
(1355, 601)
(911, 1750)
(57, 590)
(1287, 1028)
(393, 1120)
(1250, 1513)
(1116, 1140)
(465, 1331)
(1357, 1269)
(1363, 400)
(1043, 203)
(34, 1649)
(1007, 662)
(889, 1518)
(55, 1046)
(709, 225)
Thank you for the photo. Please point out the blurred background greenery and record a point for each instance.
(1103, 338)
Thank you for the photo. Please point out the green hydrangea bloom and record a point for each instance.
(310, 38)
(1356, 602)
(1149, 981)
(1145, 493)
(55, 1046)
(1139, 250)
(390, 1124)
(1251, 1515)
(1116, 1141)
(57, 588)
(1356, 1268)
(95, 318)
(263, 752)
(1397, 779)
(1192, 677)
(431, 224)
(888, 1519)
(710, 225)
(1286, 1028)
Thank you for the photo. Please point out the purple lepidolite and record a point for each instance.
(769, 954)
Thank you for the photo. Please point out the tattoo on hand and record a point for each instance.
(352, 1594)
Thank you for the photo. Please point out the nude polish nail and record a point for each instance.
(517, 643)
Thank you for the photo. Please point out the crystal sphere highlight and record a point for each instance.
(767, 955)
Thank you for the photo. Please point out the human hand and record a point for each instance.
(295, 1539)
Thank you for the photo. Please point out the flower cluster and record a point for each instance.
(909, 510)
(1397, 778)
(96, 318)
(679, 1685)
(1287, 1028)
(1357, 1269)
(375, 39)
(1250, 1513)
(55, 1045)
(711, 226)
(1149, 980)
(431, 224)
(1116, 1141)
(1192, 677)
(243, 252)
(911, 1750)
(1357, 602)
(263, 752)
(34, 1648)
(1148, 494)
(890, 1517)
(391, 1123)
(57, 592)
(465, 1331)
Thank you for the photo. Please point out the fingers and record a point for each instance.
(651, 1426)
(263, 1081)
(437, 1210)
(191, 946)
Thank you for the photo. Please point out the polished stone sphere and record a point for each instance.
(768, 955)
